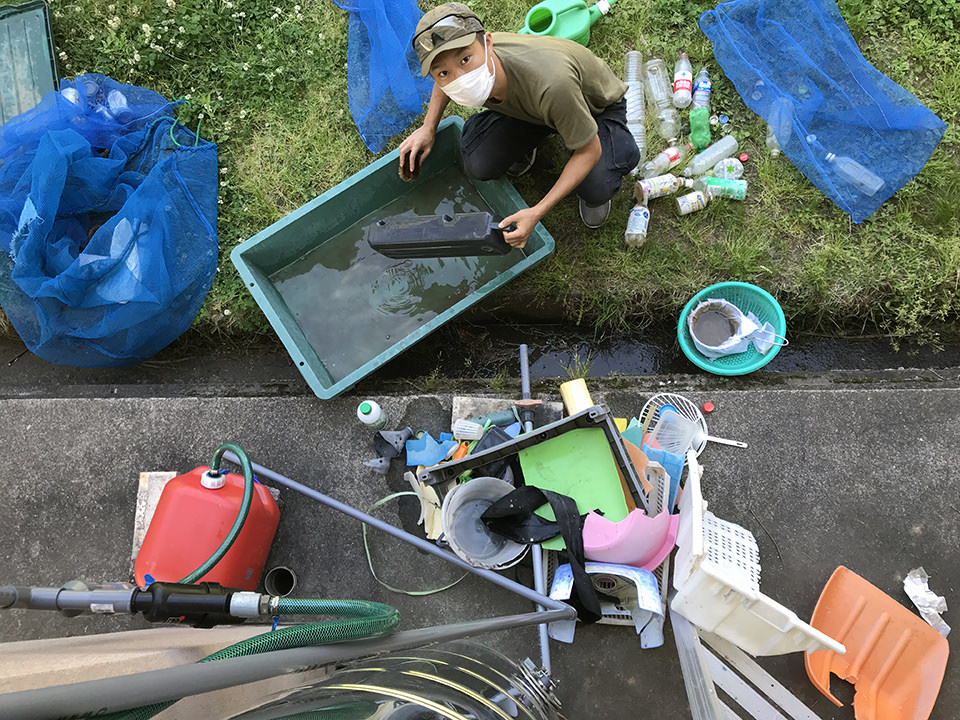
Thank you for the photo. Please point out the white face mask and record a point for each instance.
(473, 88)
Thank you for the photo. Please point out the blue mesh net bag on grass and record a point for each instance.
(856, 134)
(108, 213)
(384, 86)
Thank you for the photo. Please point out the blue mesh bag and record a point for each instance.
(108, 212)
(384, 87)
(855, 134)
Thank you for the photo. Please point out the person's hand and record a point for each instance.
(525, 220)
(415, 148)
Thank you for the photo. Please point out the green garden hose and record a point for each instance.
(242, 513)
(362, 619)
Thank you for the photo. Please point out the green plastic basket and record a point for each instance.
(749, 298)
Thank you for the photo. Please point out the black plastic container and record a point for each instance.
(430, 236)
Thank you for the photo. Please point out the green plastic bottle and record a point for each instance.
(700, 112)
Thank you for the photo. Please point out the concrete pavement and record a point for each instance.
(856, 469)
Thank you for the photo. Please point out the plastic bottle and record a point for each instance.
(371, 415)
(637, 224)
(671, 157)
(724, 147)
(721, 188)
(682, 81)
(633, 67)
(855, 174)
(729, 168)
(772, 145)
(700, 113)
(692, 202)
(636, 119)
(660, 96)
(652, 188)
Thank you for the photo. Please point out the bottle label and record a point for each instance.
(726, 188)
(683, 81)
(639, 219)
(659, 186)
(672, 154)
(691, 202)
(704, 86)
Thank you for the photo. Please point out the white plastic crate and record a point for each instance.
(717, 580)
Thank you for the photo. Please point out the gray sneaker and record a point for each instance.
(593, 216)
(523, 165)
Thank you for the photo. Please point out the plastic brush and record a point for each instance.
(676, 434)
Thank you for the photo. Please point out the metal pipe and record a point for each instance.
(93, 698)
(421, 544)
(539, 575)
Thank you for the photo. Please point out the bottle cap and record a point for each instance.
(744, 157)
(211, 481)
(366, 408)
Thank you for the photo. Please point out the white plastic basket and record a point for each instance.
(717, 580)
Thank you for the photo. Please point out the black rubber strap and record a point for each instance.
(513, 517)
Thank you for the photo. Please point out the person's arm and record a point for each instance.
(415, 148)
(579, 165)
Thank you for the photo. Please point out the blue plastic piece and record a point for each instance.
(385, 93)
(108, 217)
(514, 429)
(798, 66)
(425, 450)
(673, 464)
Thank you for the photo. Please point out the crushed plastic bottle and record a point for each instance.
(725, 146)
(729, 168)
(721, 188)
(660, 186)
(671, 157)
(692, 202)
(637, 223)
(780, 127)
(682, 81)
(660, 97)
(700, 113)
(855, 174)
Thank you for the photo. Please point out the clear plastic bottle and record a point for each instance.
(729, 168)
(671, 157)
(637, 224)
(682, 81)
(637, 119)
(633, 67)
(660, 186)
(700, 113)
(660, 97)
(724, 147)
(692, 202)
(855, 174)
(772, 145)
(721, 188)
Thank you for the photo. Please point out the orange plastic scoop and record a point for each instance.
(894, 659)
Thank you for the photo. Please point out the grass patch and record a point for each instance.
(267, 82)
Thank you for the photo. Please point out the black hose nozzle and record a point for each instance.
(8, 596)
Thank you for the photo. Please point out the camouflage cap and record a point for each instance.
(445, 27)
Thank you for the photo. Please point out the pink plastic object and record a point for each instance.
(637, 540)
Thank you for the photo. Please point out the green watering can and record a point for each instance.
(570, 19)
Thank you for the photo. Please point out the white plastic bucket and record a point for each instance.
(463, 529)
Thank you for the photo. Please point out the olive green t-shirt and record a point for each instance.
(555, 82)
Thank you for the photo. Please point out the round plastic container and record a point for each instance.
(749, 298)
(463, 529)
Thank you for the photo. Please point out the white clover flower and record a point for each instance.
(113, 22)
(181, 29)
(226, 311)
(246, 66)
(243, 114)
(62, 55)
(172, 4)
(296, 8)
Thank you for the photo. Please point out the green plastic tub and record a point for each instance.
(28, 66)
(343, 310)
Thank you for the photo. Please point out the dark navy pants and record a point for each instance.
(492, 142)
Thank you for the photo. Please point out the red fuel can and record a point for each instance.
(193, 517)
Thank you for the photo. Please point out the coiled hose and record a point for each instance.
(359, 618)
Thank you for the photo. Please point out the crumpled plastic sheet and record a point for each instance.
(928, 602)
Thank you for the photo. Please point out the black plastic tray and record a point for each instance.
(430, 236)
